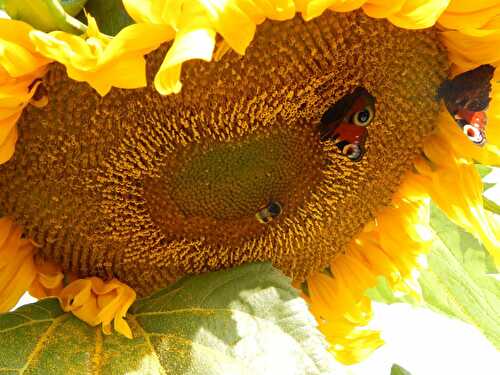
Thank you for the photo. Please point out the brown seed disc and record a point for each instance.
(148, 188)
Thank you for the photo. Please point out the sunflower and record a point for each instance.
(128, 163)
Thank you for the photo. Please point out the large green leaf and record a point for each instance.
(247, 320)
(460, 280)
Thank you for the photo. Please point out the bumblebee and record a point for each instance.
(267, 213)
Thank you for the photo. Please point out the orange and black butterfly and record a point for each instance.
(467, 97)
(345, 122)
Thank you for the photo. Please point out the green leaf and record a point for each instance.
(45, 15)
(458, 280)
(491, 206)
(398, 370)
(72, 7)
(110, 15)
(461, 280)
(383, 293)
(488, 185)
(247, 320)
(483, 170)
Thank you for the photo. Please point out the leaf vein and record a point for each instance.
(22, 315)
(42, 308)
(97, 358)
(188, 310)
(452, 298)
(39, 345)
(29, 323)
(146, 338)
(207, 349)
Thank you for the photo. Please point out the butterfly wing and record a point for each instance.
(351, 139)
(467, 97)
(332, 118)
(340, 125)
(473, 124)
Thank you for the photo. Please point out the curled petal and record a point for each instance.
(167, 79)
(49, 279)
(99, 302)
(102, 61)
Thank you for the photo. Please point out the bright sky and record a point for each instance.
(427, 343)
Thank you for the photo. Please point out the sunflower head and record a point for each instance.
(148, 187)
(311, 144)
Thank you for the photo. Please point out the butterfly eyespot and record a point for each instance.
(266, 214)
(474, 134)
(364, 117)
(467, 97)
(353, 152)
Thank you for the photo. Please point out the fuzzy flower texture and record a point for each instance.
(126, 162)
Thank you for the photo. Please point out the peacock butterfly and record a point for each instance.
(345, 123)
(467, 97)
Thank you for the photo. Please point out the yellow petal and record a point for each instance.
(98, 302)
(16, 32)
(18, 61)
(7, 125)
(315, 8)
(49, 279)
(456, 187)
(18, 285)
(383, 8)
(137, 39)
(419, 14)
(123, 74)
(231, 22)
(102, 61)
(359, 346)
(257, 10)
(5, 229)
(469, 47)
(76, 294)
(17, 270)
(88, 312)
(469, 14)
(196, 43)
